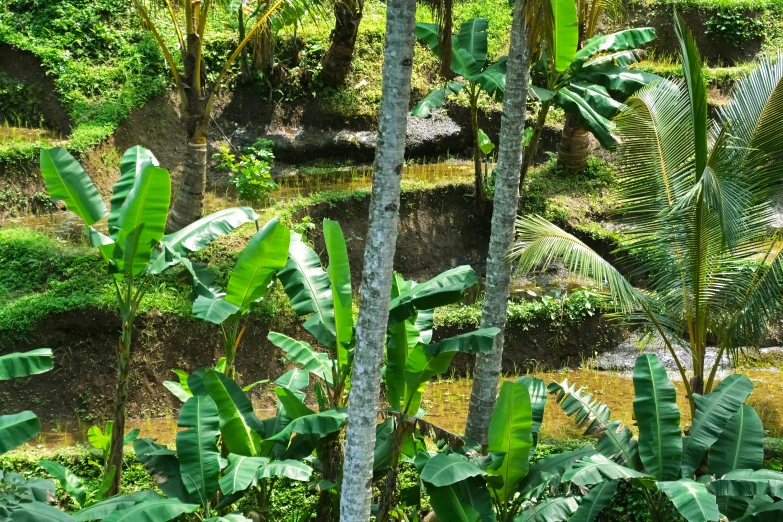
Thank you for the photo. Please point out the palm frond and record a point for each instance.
(539, 243)
(694, 79)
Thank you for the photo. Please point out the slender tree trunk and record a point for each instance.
(390, 489)
(494, 307)
(120, 399)
(246, 74)
(330, 453)
(529, 154)
(378, 262)
(479, 178)
(445, 39)
(574, 145)
(262, 50)
(337, 61)
(189, 202)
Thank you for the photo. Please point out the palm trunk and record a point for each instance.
(378, 262)
(189, 202)
(532, 148)
(574, 145)
(330, 454)
(246, 74)
(120, 400)
(479, 178)
(445, 39)
(337, 61)
(498, 277)
(262, 50)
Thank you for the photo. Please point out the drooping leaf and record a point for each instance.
(447, 469)
(473, 38)
(692, 500)
(24, 364)
(239, 425)
(67, 480)
(153, 510)
(462, 62)
(301, 353)
(594, 469)
(429, 33)
(310, 290)
(164, 467)
(713, 413)
(293, 380)
(199, 457)
(241, 473)
(177, 389)
(133, 161)
(597, 124)
(450, 504)
(104, 508)
(492, 81)
(596, 97)
(142, 220)
(594, 502)
(557, 509)
(443, 289)
(321, 424)
(436, 98)
(765, 513)
(17, 429)
(291, 469)
(615, 77)
(510, 437)
(214, 309)
(748, 483)
(265, 254)
(619, 41)
(66, 181)
(40, 512)
(548, 472)
(656, 412)
(740, 445)
(294, 407)
(478, 341)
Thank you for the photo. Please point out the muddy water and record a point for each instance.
(25, 134)
(446, 403)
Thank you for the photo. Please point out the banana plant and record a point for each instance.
(264, 255)
(712, 472)
(135, 248)
(469, 61)
(195, 477)
(584, 82)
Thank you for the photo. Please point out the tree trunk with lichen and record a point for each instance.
(336, 64)
(495, 305)
(374, 297)
(574, 147)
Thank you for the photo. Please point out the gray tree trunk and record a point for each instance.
(493, 310)
(189, 202)
(378, 262)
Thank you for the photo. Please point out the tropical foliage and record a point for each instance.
(695, 209)
(135, 248)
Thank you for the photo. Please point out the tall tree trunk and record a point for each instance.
(120, 400)
(378, 262)
(445, 39)
(189, 202)
(494, 307)
(478, 173)
(246, 74)
(262, 49)
(337, 61)
(574, 145)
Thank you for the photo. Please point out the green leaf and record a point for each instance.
(301, 353)
(40, 512)
(594, 469)
(104, 508)
(620, 41)
(24, 364)
(484, 143)
(142, 220)
(443, 289)
(447, 469)
(291, 469)
(131, 436)
(401, 339)
(462, 62)
(241, 473)
(430, 33)
(450, 503)
(199, 458)
(472, 37)
(419, 368)
(436, 98)
(265, 254)
(132, 163)
(694, 79)
(594, 502)
(615, 441)
(214, 309)
(713, 412)
(548, 472)
(164, 467)
(17, 429)
(656, 412)
(692, 500)
(67, 480)
(598, 125)
(322, 424)
(615, 77)
(178, 390)
(339, 271)
(765, 513)
(556, 509)
(98, 439)
(740, 446)
(66, 181)
(748, 483)
(492, 81)
(597, 97)
(239, 425)
(510, 437)
(541, 94)
(156, 510)
(565, 37)
(294, 408)
(293, 380)
(478, 341)
(537, 391)
(310, 290)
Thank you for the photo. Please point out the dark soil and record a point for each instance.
(25, 67)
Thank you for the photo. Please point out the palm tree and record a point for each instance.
(574, 146)
(378, 262)
(696, 203)
(196, 97)
(498, 275)
(337, 61)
